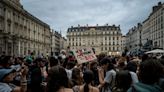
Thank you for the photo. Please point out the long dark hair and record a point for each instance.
(150, 71)
(108, 61)
(75, 73)
(88, 77)
(76, 79)
(123, 80)
(57, 78)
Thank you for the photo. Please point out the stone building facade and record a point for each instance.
(58, 42)
(56, 36)
(123, 43)
(153, 27)
(149, 34)
(133, 38)
(103, 39)
(63, 43)
(21, 32)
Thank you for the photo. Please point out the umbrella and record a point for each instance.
(155, 51)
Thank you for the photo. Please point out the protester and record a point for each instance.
(123, 81)
(77, 76)
(5, 62)
(37, 75)
(6, 77)
(161, 81)
(107, 82)
(69, 68)
(87, 87)
(94, 69)
(106, 74)
(132, 68)
(58, 80)
(53, 61)
(150, 71)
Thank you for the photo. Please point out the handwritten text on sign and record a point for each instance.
(84, 55)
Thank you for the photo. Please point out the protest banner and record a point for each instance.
(84, 55)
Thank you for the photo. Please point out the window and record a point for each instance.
(113, 38)
(113, 43)
(1, 11)
(117, 38)
(1, 24)
(105, 38)
(8, 28)
(101, 48)
(109, 38)
(109, 48)
(162, 26)
(9, 12)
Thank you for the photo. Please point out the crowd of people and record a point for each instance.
(124, 73)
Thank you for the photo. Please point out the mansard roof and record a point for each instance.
(84, 28)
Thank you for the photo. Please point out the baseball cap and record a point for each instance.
(4, 72)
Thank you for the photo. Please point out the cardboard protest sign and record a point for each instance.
(84, 55)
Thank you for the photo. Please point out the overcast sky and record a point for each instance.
(62, 14)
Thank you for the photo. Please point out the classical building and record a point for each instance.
(21, 32)
(153, 27)
(63, 43)
(123, 43)
(56, 36)
(58, 42)
(104, 39)
(133, 38)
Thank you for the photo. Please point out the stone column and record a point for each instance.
(19, 48)
(14, 46)
(5, 20)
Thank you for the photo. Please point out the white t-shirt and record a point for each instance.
(69, 73)
(109, 76)
(134, 77)
(5, 87)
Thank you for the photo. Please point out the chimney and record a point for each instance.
(78, 25)
(97, 24)
(87, 25)
(159, 3)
